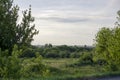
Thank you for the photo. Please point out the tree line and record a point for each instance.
(18, 58)
(62, 51)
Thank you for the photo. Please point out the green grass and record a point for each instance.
(58, 63)
(60, 70)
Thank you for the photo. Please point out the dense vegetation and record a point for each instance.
(108, 46)
(20, 60)
(11, 32)
(14, 40)
(62, 51)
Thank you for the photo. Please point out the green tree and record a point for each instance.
(108, 45)
(114, 46)
(11, 32)
(102, 42)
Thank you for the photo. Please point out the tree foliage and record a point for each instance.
(13, 67)
(61, 51)
(11, 32)
(10, 66)
(108, 45)
(14, 40)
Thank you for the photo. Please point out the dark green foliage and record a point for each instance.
(63, 51)
(52, 54)
(64, 54)
(7, 23)
(100, 61)
(14, 41)
(75, 54)
(28, 53)
(48, 46)
(11, 32)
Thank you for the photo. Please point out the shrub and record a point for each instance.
(85, 59)
(28, 53)
(13, 67)
(52, 54)
(33, 67)
(75, 55)
(10, 65)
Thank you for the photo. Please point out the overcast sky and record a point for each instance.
(70, 22)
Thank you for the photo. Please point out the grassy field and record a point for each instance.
(60, 69)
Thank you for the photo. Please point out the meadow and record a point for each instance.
(20, 60)
(61, 69)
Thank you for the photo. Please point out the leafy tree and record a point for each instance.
(108, 45)
(102, 42)
(48, 46)
(11, 32)
(114, 47)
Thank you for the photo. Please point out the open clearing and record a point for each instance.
(62, 71)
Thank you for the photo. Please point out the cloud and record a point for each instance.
(64, 19)
(70, 21)
(72, 18)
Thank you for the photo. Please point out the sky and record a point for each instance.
(70, 22)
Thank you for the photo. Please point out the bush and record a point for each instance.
(101, 62)
(64, 54)
(13, 67)
(33, 67)
(52, 54)
(85, 59)
(10, 65)
(75, 55)
(28, 53)
(112, 67)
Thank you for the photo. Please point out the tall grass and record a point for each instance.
(61, 70)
